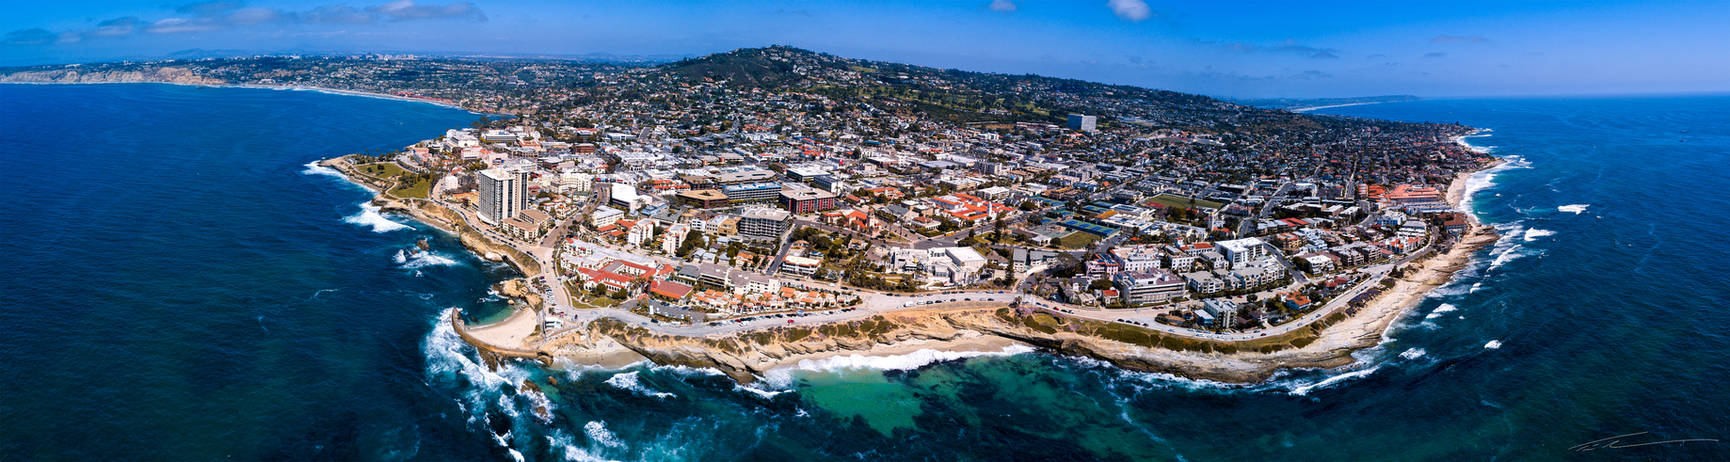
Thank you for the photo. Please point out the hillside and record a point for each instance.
(964, 96)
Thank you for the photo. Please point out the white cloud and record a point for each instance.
(1133, 10)
(1003, 5)
(178, 25)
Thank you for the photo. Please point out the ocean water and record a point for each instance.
(180, 285)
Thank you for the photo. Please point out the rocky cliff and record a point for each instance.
(170, 74)
(747, 356)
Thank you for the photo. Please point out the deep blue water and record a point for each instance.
(178, 285)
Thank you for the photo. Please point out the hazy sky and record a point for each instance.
(1229, 48)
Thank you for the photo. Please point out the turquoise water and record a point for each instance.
(180, 285)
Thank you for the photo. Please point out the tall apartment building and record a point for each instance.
(1149, 286)
(764, 223)
(503, 194)
(1084, 123)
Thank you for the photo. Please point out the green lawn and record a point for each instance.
(381, 169)
(1184, 202)
(417, 190)
(1077, 240)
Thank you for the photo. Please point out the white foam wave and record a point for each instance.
(628, 381)
(1507, 256)
(369, 216)
(1413, 353)
(1573, 208)
(1493, 344)
(1461, 140)
(1533, 234)
(449, 358)
(597, 431)
(781, 377)
(1334, 380)
(568, 449)
(415, 259)
(1444, 308)
(761, 393)
(1487, 178)
(313, 168)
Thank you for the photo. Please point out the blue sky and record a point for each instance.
(1225, 48)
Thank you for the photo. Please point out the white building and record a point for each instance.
(503, 194)
(604, 215)
(800, 265)
(673, 238)
(943, 265)
(640, 233)
(1240, 252)
(1148, 287)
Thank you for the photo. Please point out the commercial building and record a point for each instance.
(752, 192)
(764, 223)
(1141, 288)
(503, 194)
(805, 200)
(803, 266)
(703, 198)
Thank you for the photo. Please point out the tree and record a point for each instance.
(1099, 284)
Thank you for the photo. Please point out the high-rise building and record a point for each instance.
(503, 194)
(1084, 123)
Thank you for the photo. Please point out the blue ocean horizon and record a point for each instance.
(181, 283)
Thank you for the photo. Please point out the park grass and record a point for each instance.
(380, 169)
(1184, 202)
(1077, 240)
(418, 190)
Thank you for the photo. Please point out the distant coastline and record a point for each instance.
(331, 91)
(1314, 108)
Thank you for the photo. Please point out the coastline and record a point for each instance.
(1330, 106)
(332, 91)
(940, 334)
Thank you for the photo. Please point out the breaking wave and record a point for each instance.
(1573, 208)
(781, 377)
(1440, 310)
(1483, 180)
(628, 381)
(416, 259)
(597, 431)
(369, 216)
(313, 168)
(1413, 353)
(1533, 234)
(1492, 345)
(1333, 380)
